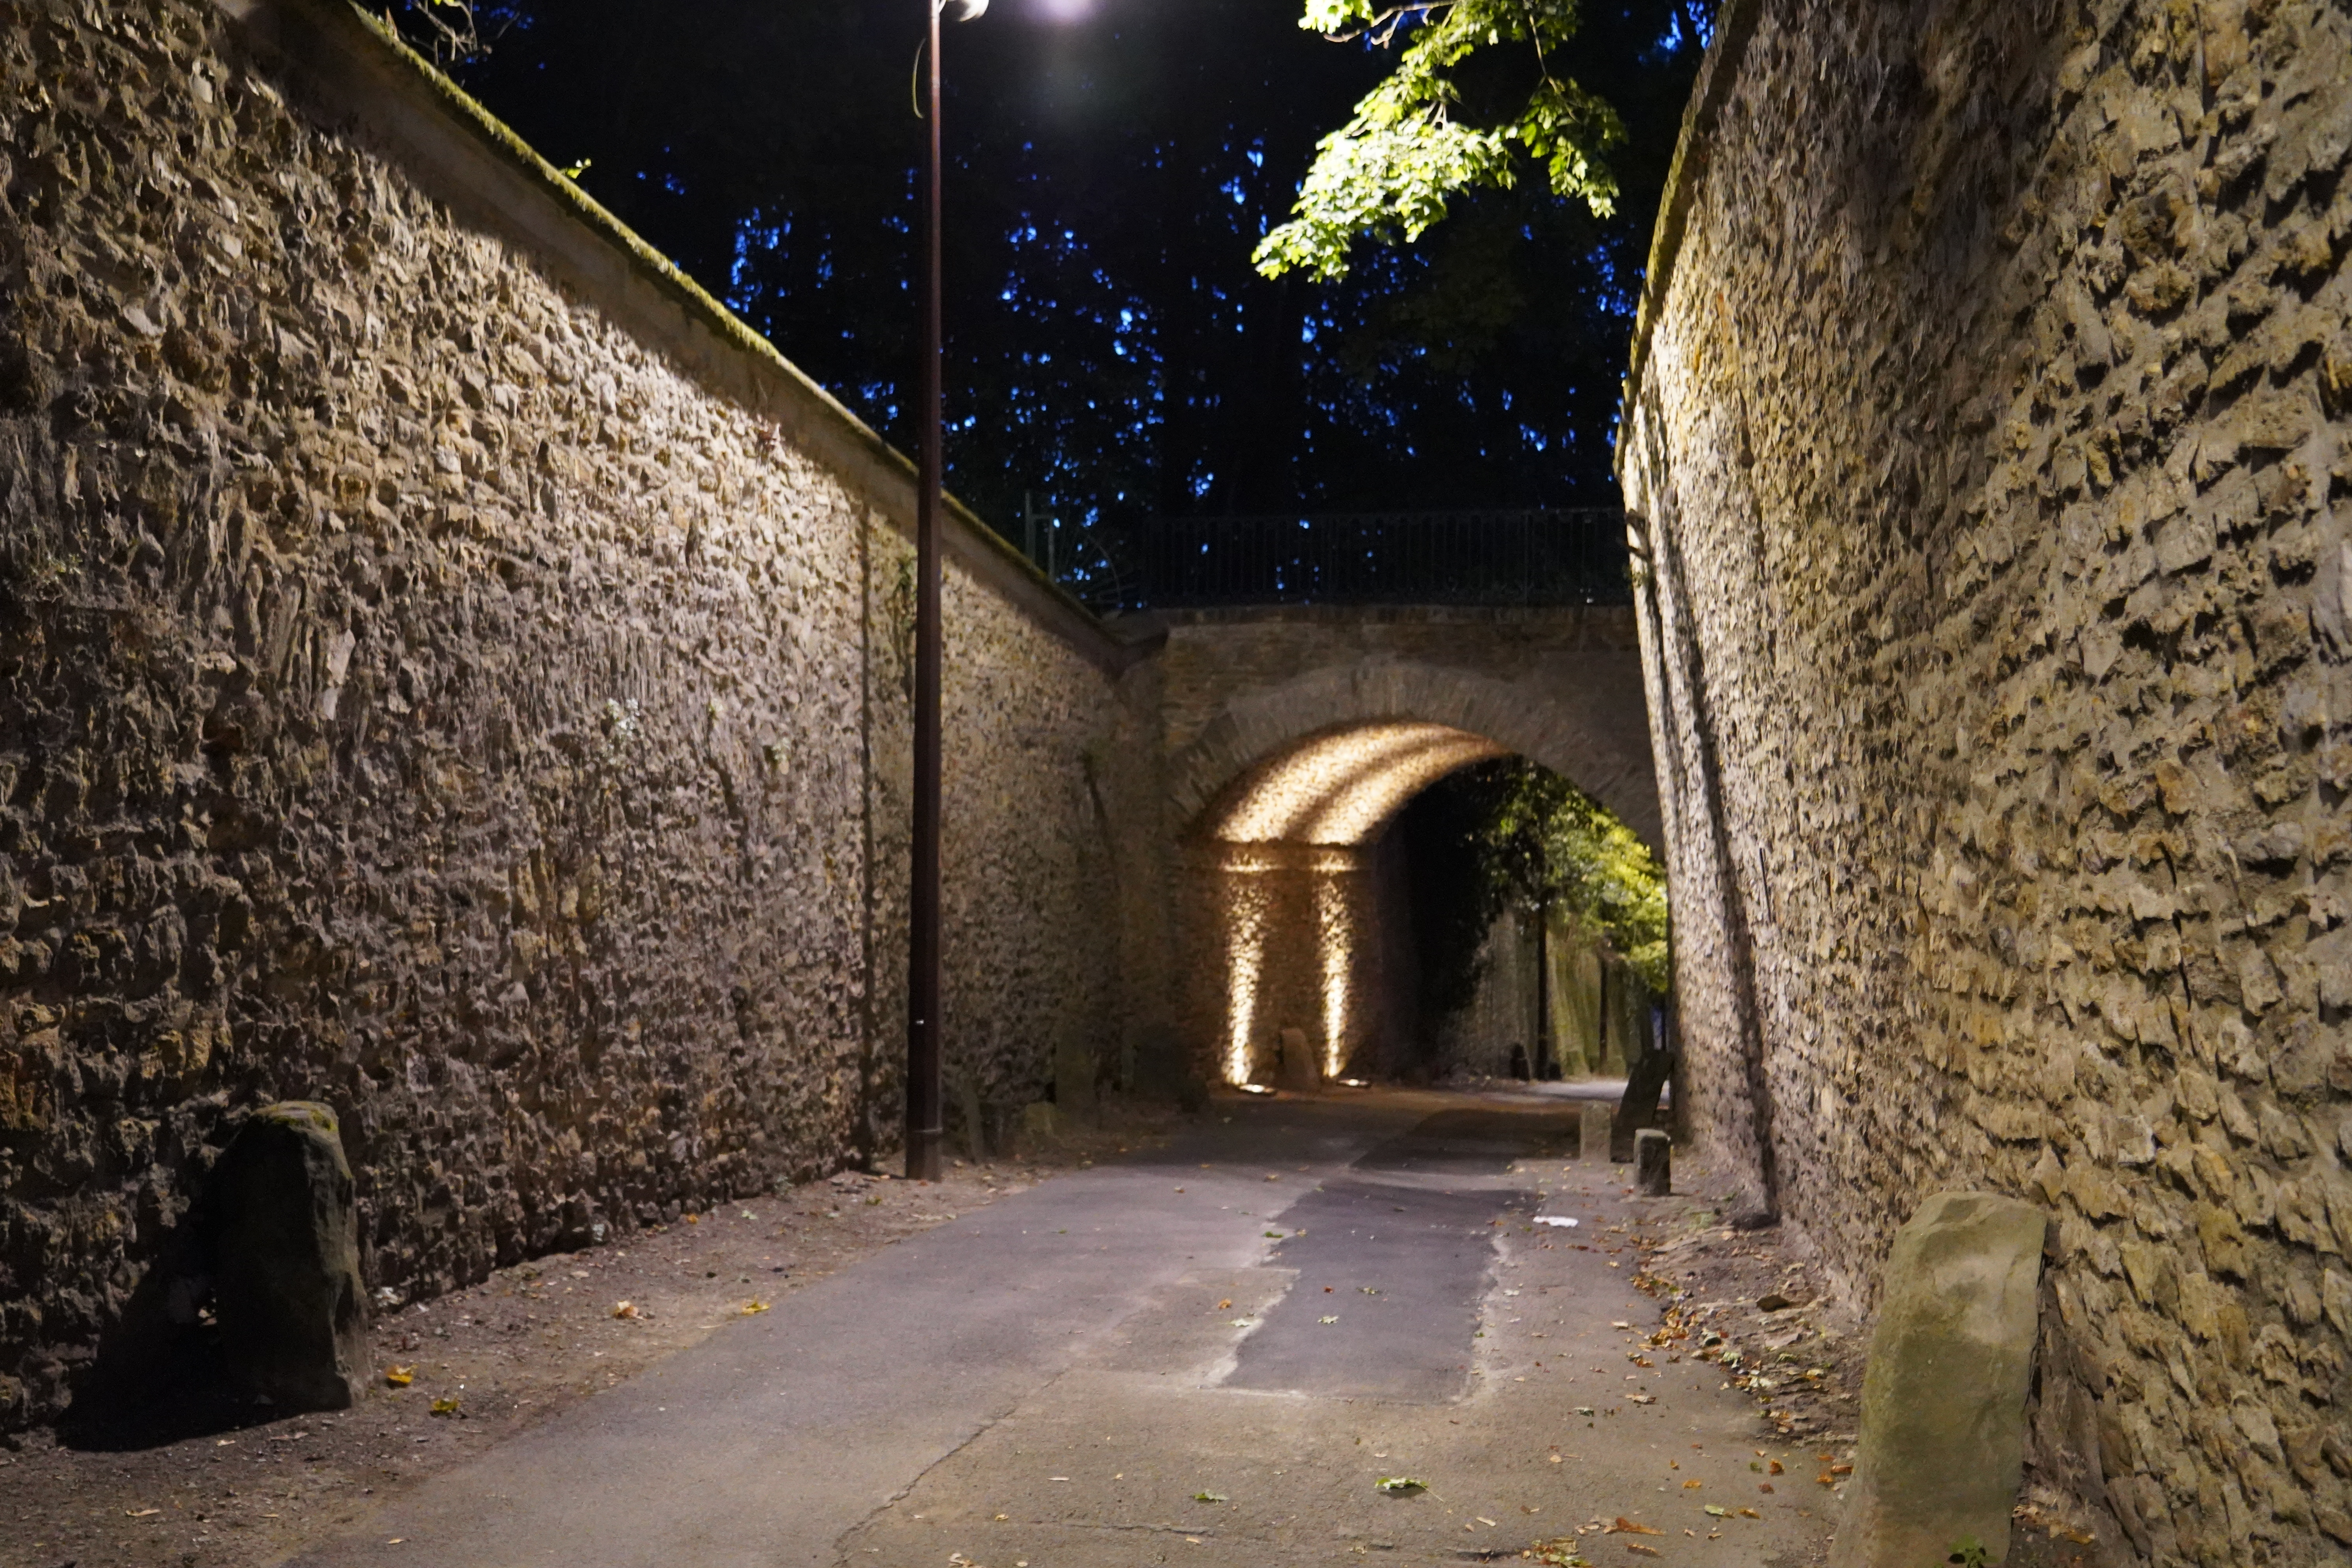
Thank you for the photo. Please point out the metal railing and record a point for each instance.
(1566, 556)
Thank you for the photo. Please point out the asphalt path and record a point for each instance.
(1284, 1297)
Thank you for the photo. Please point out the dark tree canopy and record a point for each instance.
(1112, 351)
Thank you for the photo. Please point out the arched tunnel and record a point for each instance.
(1300, 905)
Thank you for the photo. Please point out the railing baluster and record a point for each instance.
(1566, 556)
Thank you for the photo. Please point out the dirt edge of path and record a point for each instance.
(487, 1363)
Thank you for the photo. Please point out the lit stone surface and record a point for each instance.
(1343, 788)
(1994, 451)
(458, 684)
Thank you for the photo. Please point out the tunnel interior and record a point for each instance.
(1320, 887)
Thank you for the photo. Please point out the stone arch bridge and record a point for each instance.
(1290, 736)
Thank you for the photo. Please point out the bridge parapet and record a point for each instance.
(1556, 556)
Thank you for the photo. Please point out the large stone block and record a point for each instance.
(1943, 1399)
(1593, 1131)
(1299, 1069)
(286, 1280)
(1653, 1162)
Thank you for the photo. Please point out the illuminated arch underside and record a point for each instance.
(1343, 788)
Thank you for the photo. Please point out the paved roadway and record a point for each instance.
(1206, 1355)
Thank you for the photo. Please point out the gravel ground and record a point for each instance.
(485, 1363)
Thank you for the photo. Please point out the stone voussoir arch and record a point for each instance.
(1588, 731)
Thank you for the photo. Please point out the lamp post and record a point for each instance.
(923, 1096)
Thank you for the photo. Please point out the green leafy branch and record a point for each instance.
(1554, 845)
(1388, 174)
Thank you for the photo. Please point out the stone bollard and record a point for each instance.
(1299, 1069)
(1000, 1123)
(975, 1127)
(286, 1280)
(1593, 1133)
(1654, 1163)
(1074, 1081)
(1942, 1397)
(1041, 1123)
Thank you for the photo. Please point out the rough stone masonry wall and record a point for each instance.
(436, 680)
(1990, 433)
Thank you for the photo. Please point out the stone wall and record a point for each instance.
(450, 669)
(1989, 429)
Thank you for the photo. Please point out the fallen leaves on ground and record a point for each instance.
(1559, 1553)
(399, 1376)
(753, 1308)
(1211, 1497)
(1644, 1551)
(1326, 1319)
(446, 1406)
(626, 1309)
(140, 1513)
(1400, 1486)
(1620, 1525)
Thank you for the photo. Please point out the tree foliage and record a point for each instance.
(1390, 173)
(1549, 844)
(1513, 834)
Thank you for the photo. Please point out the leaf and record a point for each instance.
(1644, 1551)
(1718, 1512)
(626, 1309)
(1749, 1513)
(399, 1376)
(1620, 1525)
(1332, 1319)
(1211, 1497)
(1225, 1305)
(1642, 1399)
(753, 1308)
(140, 1513)
(1400, 1486)
(446, 1406)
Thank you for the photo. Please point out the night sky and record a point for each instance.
(1112, 355)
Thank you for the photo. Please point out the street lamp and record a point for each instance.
(923, 1096)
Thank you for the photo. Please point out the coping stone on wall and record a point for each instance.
(365, 74)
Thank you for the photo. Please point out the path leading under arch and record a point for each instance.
(1187, 1357)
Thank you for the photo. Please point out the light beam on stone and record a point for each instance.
(1342, 788)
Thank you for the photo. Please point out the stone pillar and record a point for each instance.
(1943, 1399)
(286, 1281)
(1654, 1163)
(1300, 1071)
(1593, 1133)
